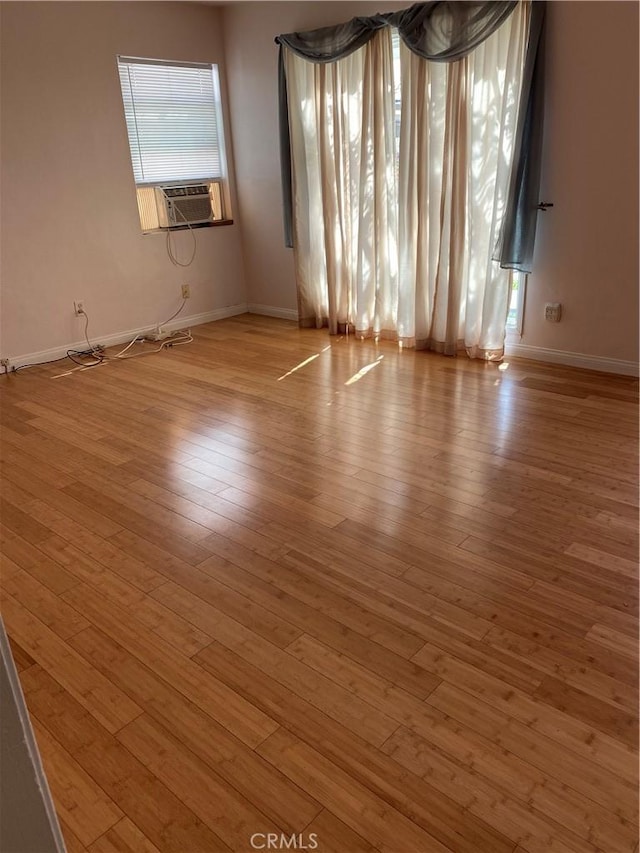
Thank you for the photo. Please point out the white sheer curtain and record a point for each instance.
(345, 195)
(394, 233)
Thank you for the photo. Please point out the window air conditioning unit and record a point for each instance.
(187, 205)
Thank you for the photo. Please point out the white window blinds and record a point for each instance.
(172, 115)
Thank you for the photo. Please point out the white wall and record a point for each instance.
(586, 253)
(70, 227)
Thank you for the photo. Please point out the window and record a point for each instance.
(174, 122)
(515, 315)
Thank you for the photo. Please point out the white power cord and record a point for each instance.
(173, 316)
(176, 339)
(172, 340)
(172, 257)
(96, 351)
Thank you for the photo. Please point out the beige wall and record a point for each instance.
(252, 65)
(587, 245)
(70, 226)
(69, 220)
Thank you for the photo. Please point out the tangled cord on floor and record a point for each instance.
(96, 355)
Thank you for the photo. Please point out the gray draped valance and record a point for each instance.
(443, 31)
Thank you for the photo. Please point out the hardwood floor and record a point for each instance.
(277, 582)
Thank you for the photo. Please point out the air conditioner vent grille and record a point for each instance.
(186, 205)
(194, 209)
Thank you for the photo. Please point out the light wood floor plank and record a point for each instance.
(367, 651)
(336, 836)
(289, 671)
(22, 554)
(166, 821)
(124, 837)
(515, 788)
(364, 763)
(81, 803)
(251, 587)
(226, 811)
(63, 620)
(615, 791)
(97, 694)
(244, 720)
(241, 767)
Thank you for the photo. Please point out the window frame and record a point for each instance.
(515, 331)
(219, 184)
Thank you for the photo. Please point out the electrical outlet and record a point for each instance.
(5, 362)
(78, 307)
(186, 291)
(553, 312)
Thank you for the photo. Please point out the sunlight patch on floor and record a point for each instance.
(299, 366)
(363, 371)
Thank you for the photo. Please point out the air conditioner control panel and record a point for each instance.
(181, 192)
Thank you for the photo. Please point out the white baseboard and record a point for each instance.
(126, 336)
(272, 311)
(209, 316)
(573, 359)
(570, 359)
